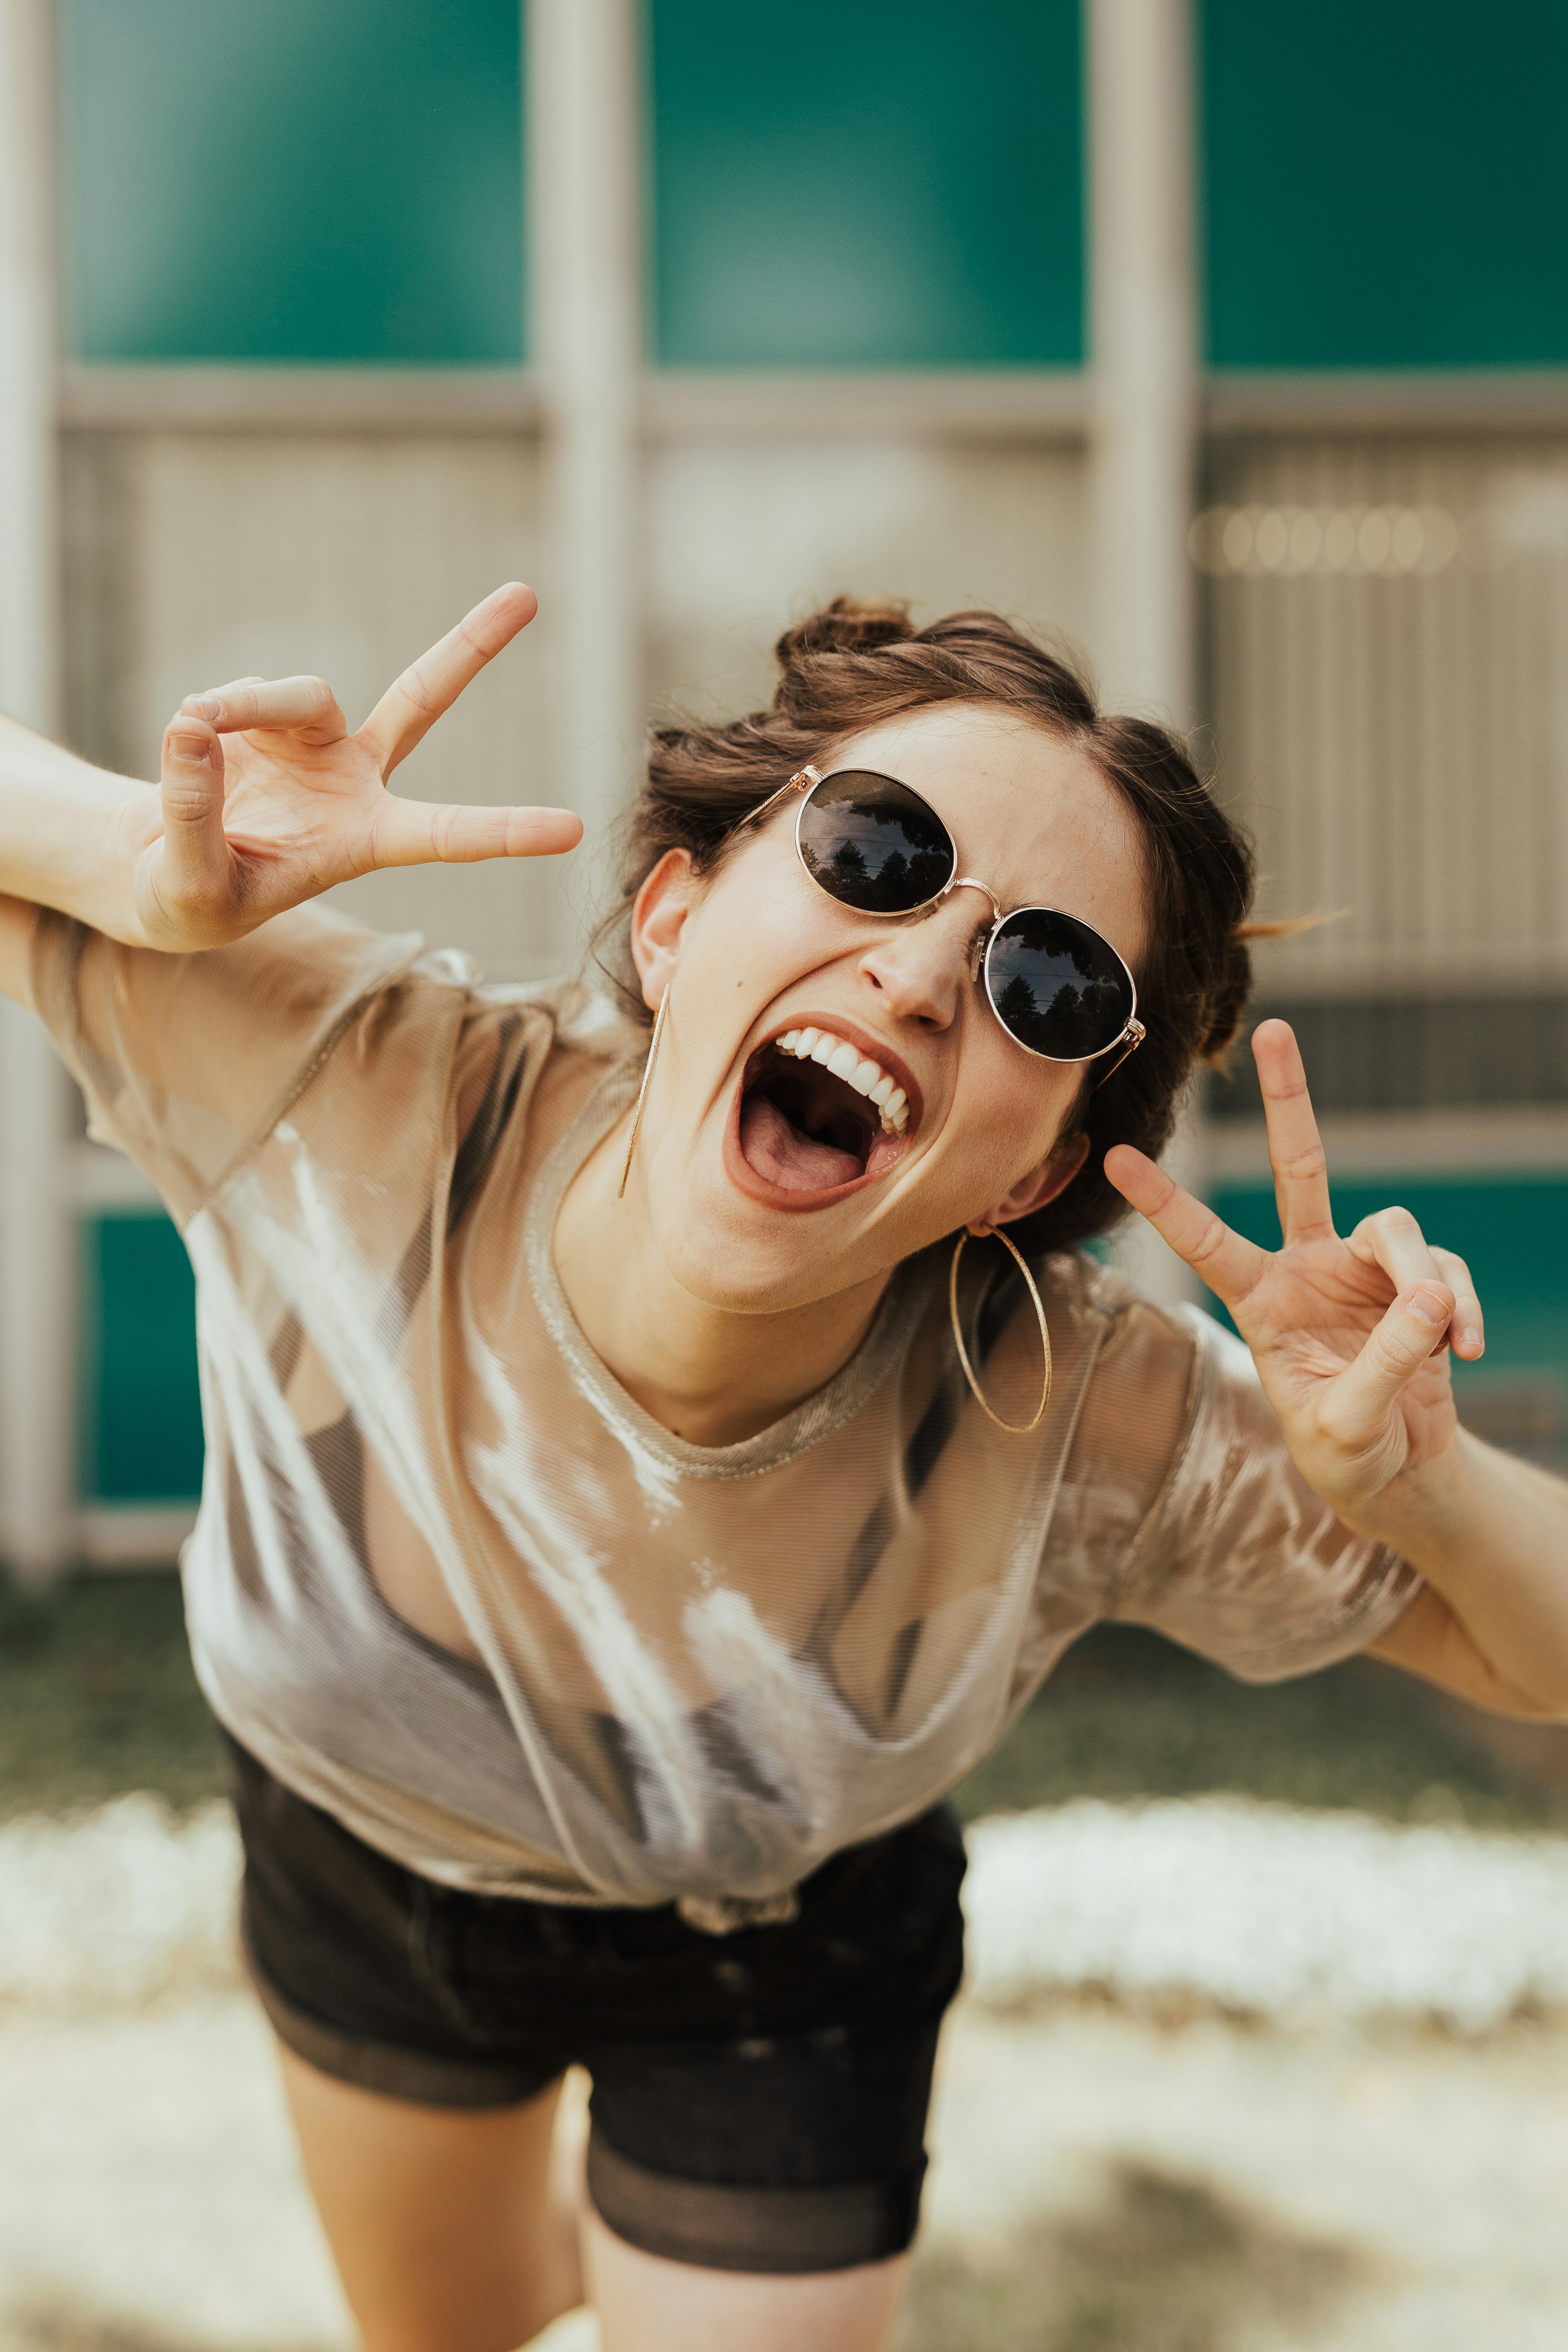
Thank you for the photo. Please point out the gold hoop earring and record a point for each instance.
(643, 1090)
(1013, 1428)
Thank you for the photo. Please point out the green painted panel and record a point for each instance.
(140, 1406)
(1511, 1230)
(875, 186)
(277, 181)
(1385, 183)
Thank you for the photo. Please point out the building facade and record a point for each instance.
(1229, 345)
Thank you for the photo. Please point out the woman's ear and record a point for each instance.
(659, 914)
(1042, 1184)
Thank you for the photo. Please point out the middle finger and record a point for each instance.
(1392, 1239)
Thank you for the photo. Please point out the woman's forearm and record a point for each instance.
(1490, 1535)
(70, 833)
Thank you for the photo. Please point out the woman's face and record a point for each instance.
(769, 1181)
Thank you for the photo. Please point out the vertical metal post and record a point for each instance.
(1143, 295)
(1143, 302)
(584, 144)
(37, 1234)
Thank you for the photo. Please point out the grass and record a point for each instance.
(97, 1696)
(1128, 1715)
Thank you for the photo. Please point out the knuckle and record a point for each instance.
(1339, 1422)
(1209, 1242)
(413, 689)
(184, 804)
(1396, 1223)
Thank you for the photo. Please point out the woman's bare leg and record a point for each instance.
(648, 2304)
(451, 2231)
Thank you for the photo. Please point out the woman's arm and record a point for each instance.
(265, 800)
(1489, 1533)
(69, 834)
(1351, 1341)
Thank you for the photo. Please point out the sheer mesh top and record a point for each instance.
(671, 1671)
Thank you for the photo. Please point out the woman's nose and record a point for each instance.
(919, 968)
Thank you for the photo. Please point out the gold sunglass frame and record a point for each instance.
(805, 782)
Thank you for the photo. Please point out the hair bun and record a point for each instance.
(847, 625)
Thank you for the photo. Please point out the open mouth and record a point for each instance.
(817, 1113)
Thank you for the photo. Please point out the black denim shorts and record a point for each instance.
(758, 2099)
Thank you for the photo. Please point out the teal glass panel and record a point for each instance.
(1511, 1232)
(867, 187)
(281, 180)
(1385, 183)
(141, 1405)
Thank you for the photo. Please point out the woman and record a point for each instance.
(630, 1506)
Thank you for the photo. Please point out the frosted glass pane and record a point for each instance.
(867, 187)
(275, 180)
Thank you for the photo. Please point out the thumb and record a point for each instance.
(1411, 1332)
(188, 875)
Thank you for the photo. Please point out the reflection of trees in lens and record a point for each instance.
(1068, 1003)
(866, 875)
(1017, 1006)
(893, 881)
(905, 870)
(929, 870)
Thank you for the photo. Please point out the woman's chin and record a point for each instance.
(735, 1239)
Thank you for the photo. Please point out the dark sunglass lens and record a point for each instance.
(1060, 988)
(874, 845)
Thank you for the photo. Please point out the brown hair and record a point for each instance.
(855, 664)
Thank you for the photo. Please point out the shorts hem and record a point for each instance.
(407, 2075)
(766, 2230)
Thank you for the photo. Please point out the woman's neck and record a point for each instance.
(708, 1375)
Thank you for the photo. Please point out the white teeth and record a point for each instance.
(845, 1062)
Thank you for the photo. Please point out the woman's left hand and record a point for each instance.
(1351, 1338)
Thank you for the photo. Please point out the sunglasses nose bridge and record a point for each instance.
(967, 882)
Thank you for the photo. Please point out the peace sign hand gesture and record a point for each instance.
(1351, 1338)
(267, 799)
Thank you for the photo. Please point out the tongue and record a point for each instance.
(779, 1151)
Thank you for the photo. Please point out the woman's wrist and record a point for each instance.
(70, 833)
(1433, 1507)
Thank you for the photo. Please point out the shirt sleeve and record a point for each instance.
(1238, 1558)
(187, 1061)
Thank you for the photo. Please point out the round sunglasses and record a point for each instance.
(1058, 988)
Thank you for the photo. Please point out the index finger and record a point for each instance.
(1296, 1152)
(1229, 1264)
(410, 707)
(305, 706)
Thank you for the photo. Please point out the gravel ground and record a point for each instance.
(1270, 1914)
(1255, 1909)
(1307, 2163)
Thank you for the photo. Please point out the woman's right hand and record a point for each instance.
(268, 799)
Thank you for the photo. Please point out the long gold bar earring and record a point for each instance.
(1013, 1428)
(642, 1089)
